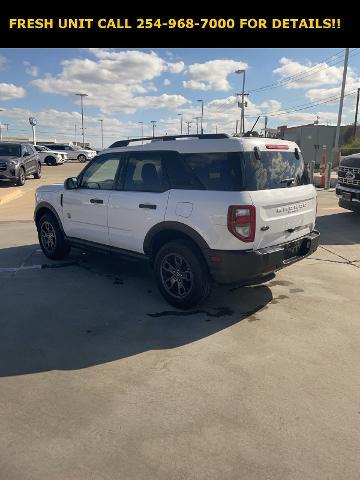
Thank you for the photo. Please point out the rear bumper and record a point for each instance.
(246, 266)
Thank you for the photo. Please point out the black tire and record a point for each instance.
(185, 282)
(82, 158)
(51, 238)
(21, 177)
(37, 174)
(50, 161)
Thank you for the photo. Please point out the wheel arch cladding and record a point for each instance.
(165, 232)
(43, 208)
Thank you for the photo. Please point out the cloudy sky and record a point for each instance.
(127, 86)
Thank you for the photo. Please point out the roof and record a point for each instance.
(189, 144)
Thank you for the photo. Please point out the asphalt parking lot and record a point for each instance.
(101, 379)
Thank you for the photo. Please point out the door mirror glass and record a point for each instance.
(71, 183)
(26, 154)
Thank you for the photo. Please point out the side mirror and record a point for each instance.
(26, 154)
(71, 183)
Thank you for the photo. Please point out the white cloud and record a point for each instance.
(312, 75)
(3, 62)
(176, 67)
(9, 91)
(166, 82)
(31, 69)
(211, 75)
(113, 80)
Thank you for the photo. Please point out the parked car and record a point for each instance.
(73, 151)
(348, 185)
(17, 161)
(50, 157)
(203, 209)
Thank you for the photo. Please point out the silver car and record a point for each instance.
(73, 151)
(17, 161)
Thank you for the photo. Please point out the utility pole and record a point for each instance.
(75, 133)
(188, 127)
(197, 124)
(336, 152)
(153, 126)
(236, 127)
(356, 112)
(242, 100)
(216, 129)
(202, 115)
(142, 132)
(265, 126)
(82, 95)
(181, 123)
(102, 133)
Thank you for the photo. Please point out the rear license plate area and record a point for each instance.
(298, 248)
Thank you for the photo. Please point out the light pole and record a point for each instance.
(153, 126)
(102, 133)
(242, 100)
(188, 127)
(33, 122)
(202, 115)
(142, 132)
(181, 123)
(82, 95)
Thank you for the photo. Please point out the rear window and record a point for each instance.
(215, 171)
(275, 169)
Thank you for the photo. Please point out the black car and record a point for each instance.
(348, 186)
(17, 161)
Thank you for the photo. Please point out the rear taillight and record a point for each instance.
(241, 222)
(271, 146)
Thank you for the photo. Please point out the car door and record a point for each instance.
(72, 154)
(34, 157)
(85, 209)
(28, 159)
(141, 203)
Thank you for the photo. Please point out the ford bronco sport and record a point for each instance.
(201, 209)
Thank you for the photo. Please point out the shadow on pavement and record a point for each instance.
(339, 228)
(95, 309)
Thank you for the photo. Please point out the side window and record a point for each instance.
(179, 174)
(24, 150)
(30, 149)
(220, 171)
(102, 173)
(145, 173)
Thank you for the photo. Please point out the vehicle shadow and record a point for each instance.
(95, 309)
(339, 228)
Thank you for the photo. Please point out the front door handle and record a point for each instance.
(96, 200)
(148, 205)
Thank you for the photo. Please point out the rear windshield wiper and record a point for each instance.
(288, 181)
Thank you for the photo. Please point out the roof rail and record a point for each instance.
(166, 138)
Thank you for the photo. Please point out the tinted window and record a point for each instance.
(55, 147)
(275, 169)
(216, 171)
(144, 173)
(101, 173)
(10, 150)
(179, 174)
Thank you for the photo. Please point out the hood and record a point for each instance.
(7, 158)
(55, 187)
(351, 161)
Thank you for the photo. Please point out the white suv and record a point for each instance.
(200, 208)
(73, 152)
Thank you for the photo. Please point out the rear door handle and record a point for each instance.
(96, 200)
(147, 205)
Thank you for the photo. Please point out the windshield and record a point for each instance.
(39, 148)
(10, 150)
(275, 169)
